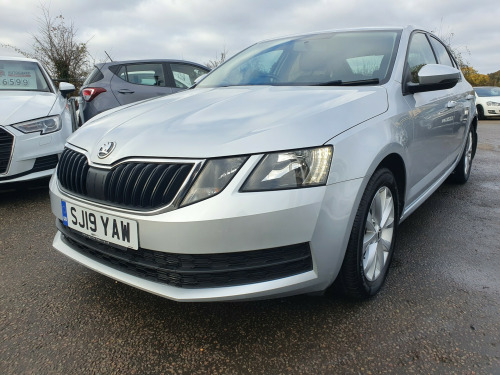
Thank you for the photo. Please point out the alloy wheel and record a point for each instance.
(468, 154)
(378, 235)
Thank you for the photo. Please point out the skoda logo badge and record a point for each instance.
(106, 149)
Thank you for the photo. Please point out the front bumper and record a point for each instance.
(31, 155)
(492, 111)
(232, 223)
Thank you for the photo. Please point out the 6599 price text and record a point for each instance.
(14, 82)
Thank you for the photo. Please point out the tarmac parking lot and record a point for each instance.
(438, 312)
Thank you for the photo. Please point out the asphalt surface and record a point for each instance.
(439, 311)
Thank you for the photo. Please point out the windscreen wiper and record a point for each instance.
(371, 81)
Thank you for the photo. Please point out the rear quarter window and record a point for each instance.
(441, 52)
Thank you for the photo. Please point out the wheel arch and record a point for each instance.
(480, 111)
(474, 145)
(394, 162)
(350, 278)
(391, 157)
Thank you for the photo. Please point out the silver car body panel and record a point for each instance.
(363, 124)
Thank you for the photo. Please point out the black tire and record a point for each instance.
(461, 172)
(480, 113)
(355, 283)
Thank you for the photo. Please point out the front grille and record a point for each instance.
(72, 171)
(196, 270)
(6, 142)
(135, 185)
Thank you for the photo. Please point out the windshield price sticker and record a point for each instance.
(108, 228)
(18, 79)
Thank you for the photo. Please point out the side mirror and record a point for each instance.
(66, 88)
(433, 77)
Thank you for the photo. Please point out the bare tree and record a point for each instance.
(459, 53)
(219, 59)
(56, 47)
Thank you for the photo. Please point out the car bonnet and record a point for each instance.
(204, 123)
(22, 106)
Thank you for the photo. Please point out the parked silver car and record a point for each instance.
(122, 82)
(286, 168)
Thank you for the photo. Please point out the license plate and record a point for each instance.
(104, 227)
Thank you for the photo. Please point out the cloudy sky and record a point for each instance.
(198, 30)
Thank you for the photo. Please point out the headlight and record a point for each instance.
(492, 103)
(43, 125)
(291, 170)
(214, 177)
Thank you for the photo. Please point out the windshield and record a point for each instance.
(336, 58)
(22, 76)
(487, 91)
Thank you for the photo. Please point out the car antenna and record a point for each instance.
(109, 57)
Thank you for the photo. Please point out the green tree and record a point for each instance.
(473, 77)
(494, 78)
(460, 54)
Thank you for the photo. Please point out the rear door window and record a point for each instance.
(137, 81)
(143, 74)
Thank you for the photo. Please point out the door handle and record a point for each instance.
(469, 97)
(125, 91)
(451, 104)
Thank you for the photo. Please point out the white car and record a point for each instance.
(34, 120)
(286, 168)
(488, 101)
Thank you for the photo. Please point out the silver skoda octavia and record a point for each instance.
(286, 168)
